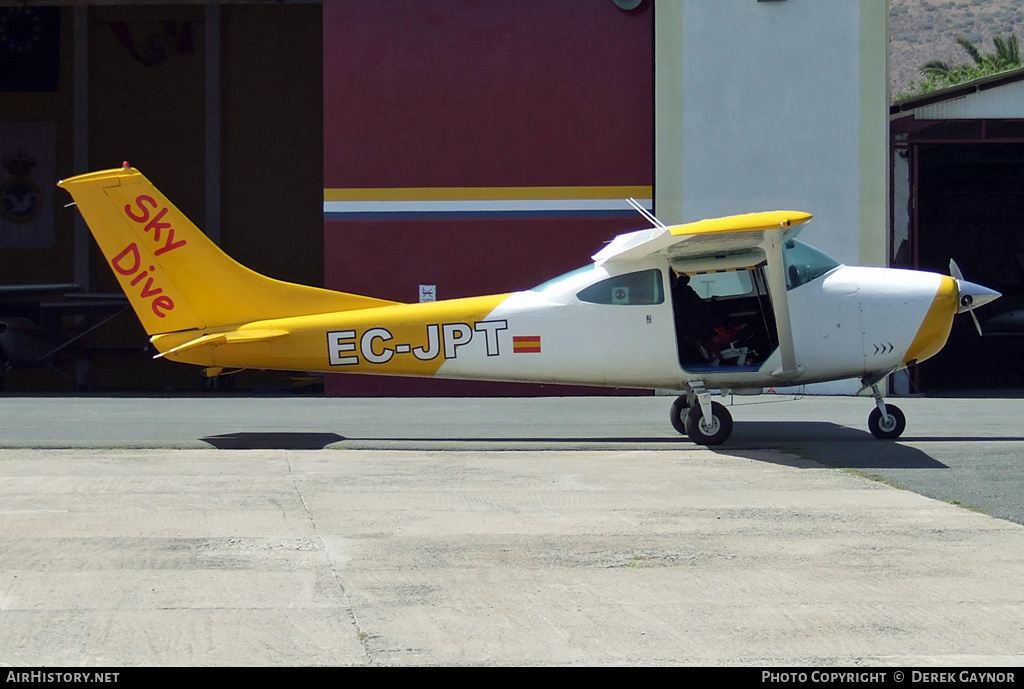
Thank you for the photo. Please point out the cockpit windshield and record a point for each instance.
(804, 263)
(564, 278)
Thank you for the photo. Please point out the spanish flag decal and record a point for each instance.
(526, 344)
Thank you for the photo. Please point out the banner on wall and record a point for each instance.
(28, 173)
(29, 48)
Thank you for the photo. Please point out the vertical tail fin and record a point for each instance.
(174, 276)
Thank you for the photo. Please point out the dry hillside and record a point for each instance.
(924, 30)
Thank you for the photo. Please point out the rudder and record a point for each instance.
(175, 277)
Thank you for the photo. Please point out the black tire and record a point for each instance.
(898, 423)
(677, 415)
(721, 425)
(219, 383)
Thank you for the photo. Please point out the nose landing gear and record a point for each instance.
(886, 421)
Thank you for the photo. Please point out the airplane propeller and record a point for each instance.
(970, 294)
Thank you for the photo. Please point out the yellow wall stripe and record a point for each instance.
(486, 193)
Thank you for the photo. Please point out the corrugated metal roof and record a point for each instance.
(976, 99)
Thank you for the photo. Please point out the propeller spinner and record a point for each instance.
(970, 294)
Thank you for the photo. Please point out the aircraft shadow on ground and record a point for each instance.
(272, 441)
(828, 443)
(746, 435)
(832, 444)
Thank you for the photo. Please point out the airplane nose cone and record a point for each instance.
(973, 295)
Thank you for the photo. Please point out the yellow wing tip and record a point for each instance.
(747, 222)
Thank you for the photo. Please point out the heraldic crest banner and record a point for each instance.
(28, 169)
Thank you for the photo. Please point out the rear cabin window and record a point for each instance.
(632, 289)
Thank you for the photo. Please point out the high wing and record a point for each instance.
(755, 237)
(733, 234)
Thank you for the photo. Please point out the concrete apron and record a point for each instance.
(371, 557)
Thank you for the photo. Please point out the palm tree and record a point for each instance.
(1006, 56)
(1007, 51)
(936, 68)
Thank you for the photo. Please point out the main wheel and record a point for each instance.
(218, 383)
(887, 431)
(677, 415)
(714, 433)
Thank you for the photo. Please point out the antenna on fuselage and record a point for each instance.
(638, 207)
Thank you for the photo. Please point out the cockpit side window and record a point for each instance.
(804, 263)
(641, 288)
(726, 283)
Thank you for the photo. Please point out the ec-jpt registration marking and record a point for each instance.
(443, 339)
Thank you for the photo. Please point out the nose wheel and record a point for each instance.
(888, 427)
(886, 421)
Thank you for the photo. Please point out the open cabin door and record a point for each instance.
(723, 318)
(738, 326)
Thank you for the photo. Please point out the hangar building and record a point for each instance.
(418, 148)
(958, 192)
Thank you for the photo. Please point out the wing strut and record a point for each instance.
(638, 207)
(776, 270)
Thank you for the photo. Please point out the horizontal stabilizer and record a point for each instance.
(233, 337)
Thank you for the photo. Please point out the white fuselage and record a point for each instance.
(849, 322)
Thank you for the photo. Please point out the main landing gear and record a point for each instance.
(695, 415)
(215, 379)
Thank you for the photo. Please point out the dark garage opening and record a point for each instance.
(970, 207)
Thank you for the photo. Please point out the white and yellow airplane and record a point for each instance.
(731, 303)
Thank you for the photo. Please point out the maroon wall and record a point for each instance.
(468, 93)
